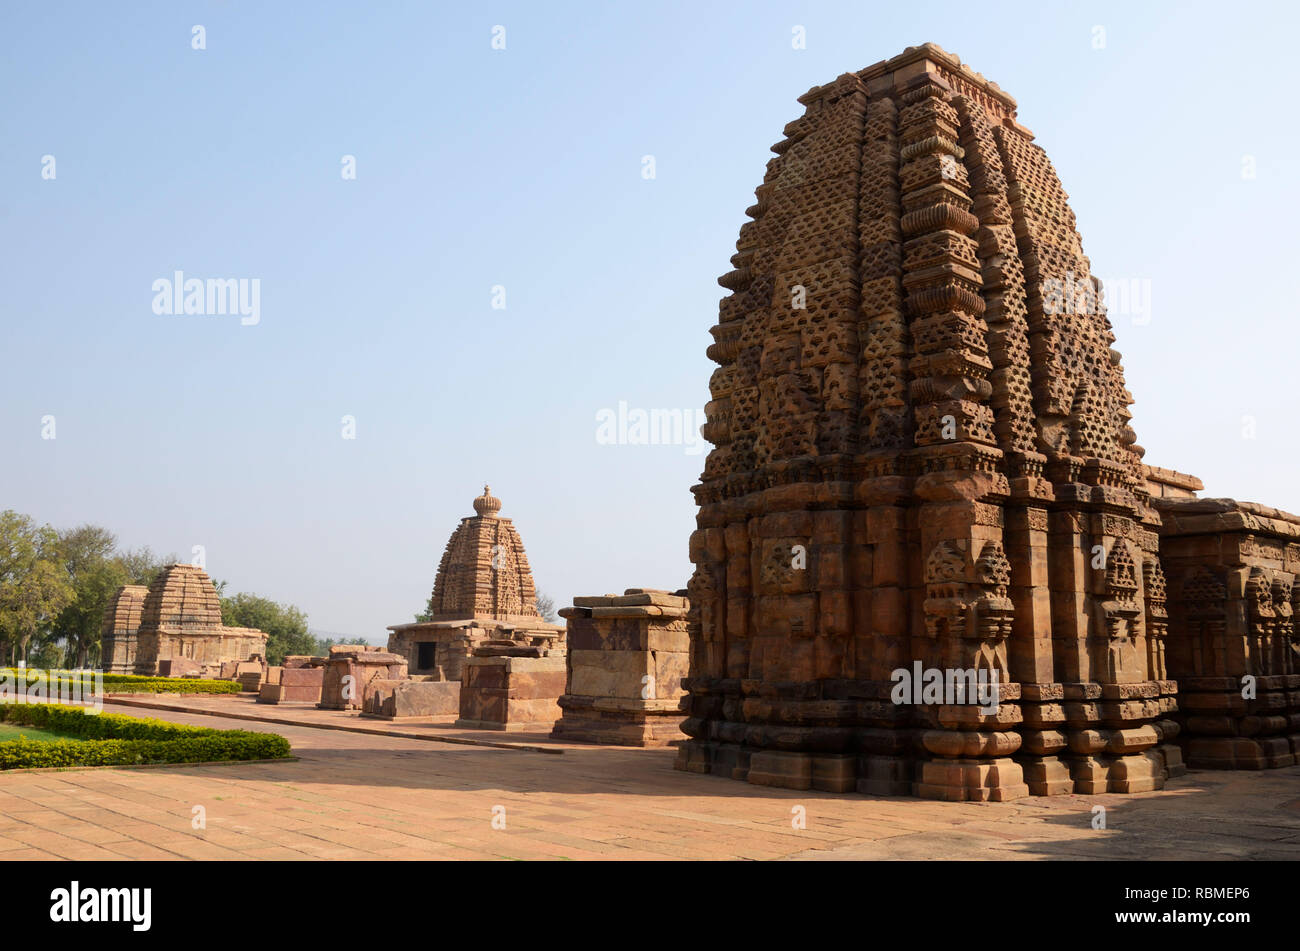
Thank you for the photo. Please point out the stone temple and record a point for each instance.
(922, 461)
(483, 592)
(121, 624)
(179, 627)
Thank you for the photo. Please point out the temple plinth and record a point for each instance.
(627, 655)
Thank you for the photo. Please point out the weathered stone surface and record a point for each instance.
(348, 673)
(1232, 645)
(627, 656)
(431, 701)
(502, 692)
(297, 684)
(921, 455)
(179, 667)
(120, 627)
(180, 620)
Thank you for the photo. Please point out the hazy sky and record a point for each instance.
(1174, 132)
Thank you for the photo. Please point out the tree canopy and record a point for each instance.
(35, 584)
(55, 587)
(284, 624)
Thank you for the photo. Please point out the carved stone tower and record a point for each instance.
(484, 571)
(922, 462)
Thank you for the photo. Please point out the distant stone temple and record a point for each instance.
(923, 471)
(118, 632)
(483, 592)
(179, 624)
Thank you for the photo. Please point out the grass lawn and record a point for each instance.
(12, 731)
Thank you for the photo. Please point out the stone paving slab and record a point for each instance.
(367, 796)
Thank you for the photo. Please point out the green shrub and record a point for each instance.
(117, 740)
(174, 685)
(133, 683)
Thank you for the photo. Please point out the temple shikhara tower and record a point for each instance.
(179, 629)
(923, 461)
(483, 592)
(120, 627)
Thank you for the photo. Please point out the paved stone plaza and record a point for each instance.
(390, 794)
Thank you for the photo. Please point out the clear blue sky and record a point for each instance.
(522, 167)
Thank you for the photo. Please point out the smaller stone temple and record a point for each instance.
(483, 592)
(120, 627)
(626, 657)
(180, 620)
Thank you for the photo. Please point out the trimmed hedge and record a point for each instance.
(133, 683)
(174, 685)
(111, 739)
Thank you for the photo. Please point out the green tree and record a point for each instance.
(34, 582)
(95, 575)
(142, 565)
(323, 646)
(284, 624)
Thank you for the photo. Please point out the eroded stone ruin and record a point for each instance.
(923, 461)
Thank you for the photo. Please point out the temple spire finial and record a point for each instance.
(487, 505)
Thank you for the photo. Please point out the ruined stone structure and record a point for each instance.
(922, 453)
(180, 618)
(483, 591)
(412, 700)
(1230, 586)
(349, 670)
(298, 680)
(120, 627)
(626, 657)
(511, 686)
